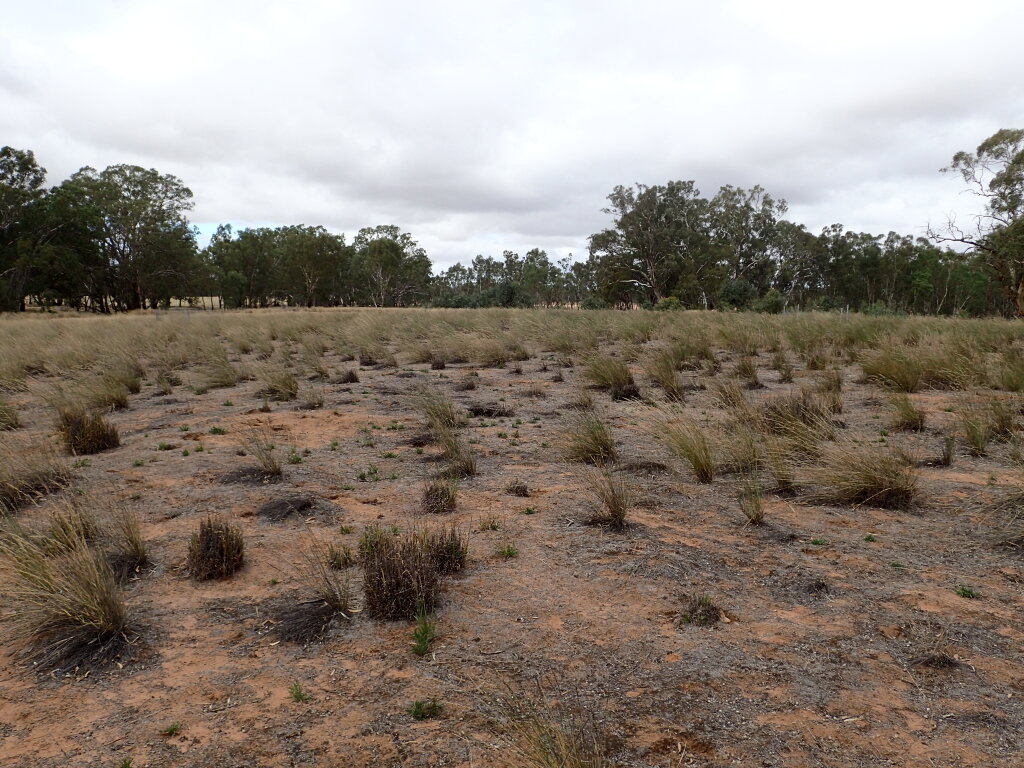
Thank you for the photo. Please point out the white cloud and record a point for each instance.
(485, 126)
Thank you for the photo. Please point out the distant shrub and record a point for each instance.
(669, 304)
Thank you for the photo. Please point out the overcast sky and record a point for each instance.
(485, 126)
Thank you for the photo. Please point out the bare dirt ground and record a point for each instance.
(833, 649)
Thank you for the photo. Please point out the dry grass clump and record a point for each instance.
(852, 473)
(543, 735)
(907, 369)
(1002, 524)
(804, 419)
(780, 458)
(729, 395)
(448, 546)
(588, 440)
(606, 372)
(440, 495)
(331, 598)
(62, 611)
(518, 488)
(102, 522)
(689, 441)
(8, 416)
(438, 409)
(401, 577)
(983, 421)
(217, 371)
(1009, 373)
(259, 444)
(751, 500)
(27, 471)
(86, 433)
(746, 370)
(216, 550)
(906, 417)
(278, 384)
(615, 496)
(661, 368)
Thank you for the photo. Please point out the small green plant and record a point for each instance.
(819, 542)
(340, 559)
(424, 710)
(294, 457)
(490, 523)
(507, 551)
(370, 475)
(870, 537)
(218, 431)
(968, 592)
(164, 446)
(896, 564)
(701, 611)
(298, 695)
(171, 730)
(185, 452)
(138, 463)
(81, 463)
(423, 633)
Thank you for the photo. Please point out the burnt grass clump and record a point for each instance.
(216, 550)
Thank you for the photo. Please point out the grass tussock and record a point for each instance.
(258, 443)
(438, 410)
(27, 471)
(216, 550)
(539, 734)
(62, 612)
(329, 596)
(906, 416)
(614, 495)
(689, 441)
(588, 440)
(401, 577)
(102, 522)
(448, 546)
(278, 384)
(750, 497)
(607, 373)
(8, 416)
(853, 473)
(440, 495)
(661, 367)
(85, 433)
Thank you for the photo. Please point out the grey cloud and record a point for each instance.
(481, 126)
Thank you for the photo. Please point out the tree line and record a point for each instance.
(119, 239)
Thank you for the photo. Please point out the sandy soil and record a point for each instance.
(818, 660)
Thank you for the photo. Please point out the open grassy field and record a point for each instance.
(526, 538)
